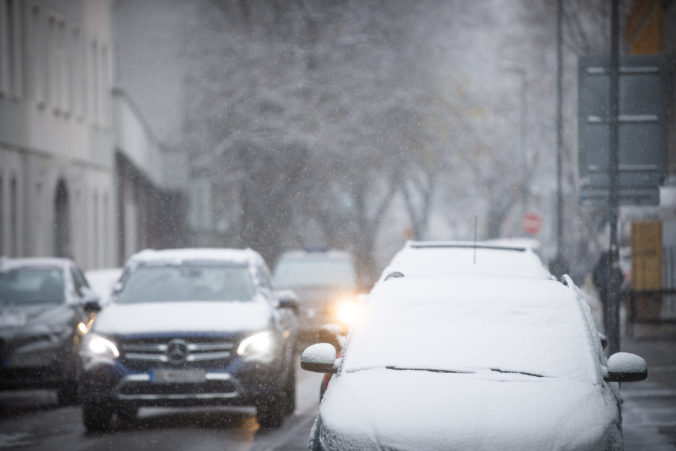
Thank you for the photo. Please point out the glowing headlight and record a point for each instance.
(347, 311)
(100, 346)
(260, 344)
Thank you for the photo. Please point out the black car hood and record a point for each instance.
(19, 319)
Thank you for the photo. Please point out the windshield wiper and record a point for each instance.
(525, 373)
(432, 370)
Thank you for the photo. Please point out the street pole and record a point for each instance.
(612, 304)
(559, 130)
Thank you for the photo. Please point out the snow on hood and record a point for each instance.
(166, 317)
(389, 409)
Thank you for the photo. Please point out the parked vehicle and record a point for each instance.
(326, 284)
(42, 320)
(472, 363)
(468, 258)
(191, 327)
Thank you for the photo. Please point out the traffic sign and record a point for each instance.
(642, 128)
(531, 223)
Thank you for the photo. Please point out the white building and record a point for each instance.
(81, 172)
(56, 138)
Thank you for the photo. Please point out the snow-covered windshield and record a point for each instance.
(32, 285)
(499, 325)
(167, 283)
(313, 272)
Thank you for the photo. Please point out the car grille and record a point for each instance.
(173, 352)
(146, 389)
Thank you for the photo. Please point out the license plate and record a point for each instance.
(166, 376)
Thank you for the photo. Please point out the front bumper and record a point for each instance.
(232, 380)
(41, 366)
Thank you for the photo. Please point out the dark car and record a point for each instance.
(42, 319)
(191, 327)
(326, 284)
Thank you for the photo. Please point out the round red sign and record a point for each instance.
(531, 223)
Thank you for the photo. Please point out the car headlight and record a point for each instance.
(260, 345)
(346, 312)
(98, 346)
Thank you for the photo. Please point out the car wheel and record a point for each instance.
(67, 394)
(290, 392)
(270, 412)
(127, 413)
(97, 415)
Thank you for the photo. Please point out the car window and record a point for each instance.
(314, 271)
(467, 326)
(167, 283)
(32, 285)
(78, 281)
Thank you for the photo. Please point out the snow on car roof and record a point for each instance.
(321, 254)
(242, 256)
(533, 326)
(481, 258)
(7, 263)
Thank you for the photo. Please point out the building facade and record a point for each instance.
(56, 138)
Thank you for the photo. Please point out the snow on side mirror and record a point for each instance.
(626, 367)
(319, 358)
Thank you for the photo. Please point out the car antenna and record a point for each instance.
(475, 239)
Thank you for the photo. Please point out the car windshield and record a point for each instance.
(311, 272)
(32, 285)
(498, 326)
(167, 283)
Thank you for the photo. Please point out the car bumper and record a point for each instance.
(241, 383)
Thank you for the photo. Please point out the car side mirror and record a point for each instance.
(287, 299)
(626, 367)
(319, 358)
(91, 306)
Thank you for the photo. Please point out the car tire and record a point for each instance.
(97, 415)
(67, 394)
(270, 413)
(127, 413)
(290, 392)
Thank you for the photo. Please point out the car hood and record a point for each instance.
(167, 317)
(394, 409)
(20, 325)
(21, 317)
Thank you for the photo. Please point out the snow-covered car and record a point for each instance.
(325, 282)
(468, 258)
(42, 320)
(103, 281)
(191, 327)
(465, 363)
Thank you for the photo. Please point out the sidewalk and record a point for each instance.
(649, 409)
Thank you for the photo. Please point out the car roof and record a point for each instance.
(330, 254)
(177, 256)
(469, 258)
(9, 263)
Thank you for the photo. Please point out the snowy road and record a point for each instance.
(31, 421)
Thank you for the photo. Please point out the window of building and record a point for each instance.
(14, 217)
(2, 217)
(95, 228)
(103, 77)
(38, 68)
(94, 81)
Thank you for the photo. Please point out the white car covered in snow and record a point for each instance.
(468, 258)
(450, 363)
